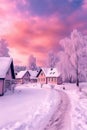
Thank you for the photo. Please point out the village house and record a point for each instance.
(6, 74)
(53, 76)
(23, 77)
(33, 75)
(41, 77)
(49, 76)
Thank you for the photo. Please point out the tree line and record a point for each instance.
(71, 59)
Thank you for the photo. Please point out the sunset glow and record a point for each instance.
(36, 26)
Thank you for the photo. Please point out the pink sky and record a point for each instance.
(35, 27)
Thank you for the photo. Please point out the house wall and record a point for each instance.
(42, 78)
(7, 81)
(33, 80)
(1, 86)
(9, 74)
(19, 80)
(52, 80)
(59, 80)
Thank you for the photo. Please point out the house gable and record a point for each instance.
(6, 74)
(42, 77)
(23, 76)
(49, 76)
(10, 73)
(5, 64)
(26, 75)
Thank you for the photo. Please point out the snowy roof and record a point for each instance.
(21, 74)
(52, 72)
(45, 70)
(5, 63)
(33, 74)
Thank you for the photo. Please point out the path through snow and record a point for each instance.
(61, 119)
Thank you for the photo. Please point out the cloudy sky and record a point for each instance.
(36, 26)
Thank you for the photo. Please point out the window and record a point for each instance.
(55, 79)
(41, 73)
(51, 79)
(47, 79)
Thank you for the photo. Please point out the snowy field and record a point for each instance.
(28, 108)
(31, 107)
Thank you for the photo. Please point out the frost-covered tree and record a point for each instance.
(4, 51)
(73, 59)
(32, 63)
(52, 59)
(66, 68)
(79, 55)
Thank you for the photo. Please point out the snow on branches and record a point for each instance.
(73, 57)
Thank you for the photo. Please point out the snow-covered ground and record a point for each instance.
(31, 107)
(28, 108)
(78, 102)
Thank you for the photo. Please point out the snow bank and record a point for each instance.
(29, 108)
(79, 105)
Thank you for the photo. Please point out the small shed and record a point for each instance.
(6, 74)
(23, 77)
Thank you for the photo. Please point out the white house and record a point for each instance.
(6, 74)
(23, 77)
(53, 76)
(49, 76)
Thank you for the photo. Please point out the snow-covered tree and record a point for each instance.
(79, 56)
(32, 63)
(52, 59)
(66, 68)
(4, 51)
(74, 54)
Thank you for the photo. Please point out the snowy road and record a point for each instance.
(61, 118)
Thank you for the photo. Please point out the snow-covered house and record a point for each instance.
(49, 76)
(23, 77)
(33, 75)
(41, 77)
(53, 76)
(6, 74)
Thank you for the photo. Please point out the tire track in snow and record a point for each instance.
(61, 118)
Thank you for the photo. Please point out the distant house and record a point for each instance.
(6, 74)
(49, 76)
(23, 77)
(33, 75)
(53, 76)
